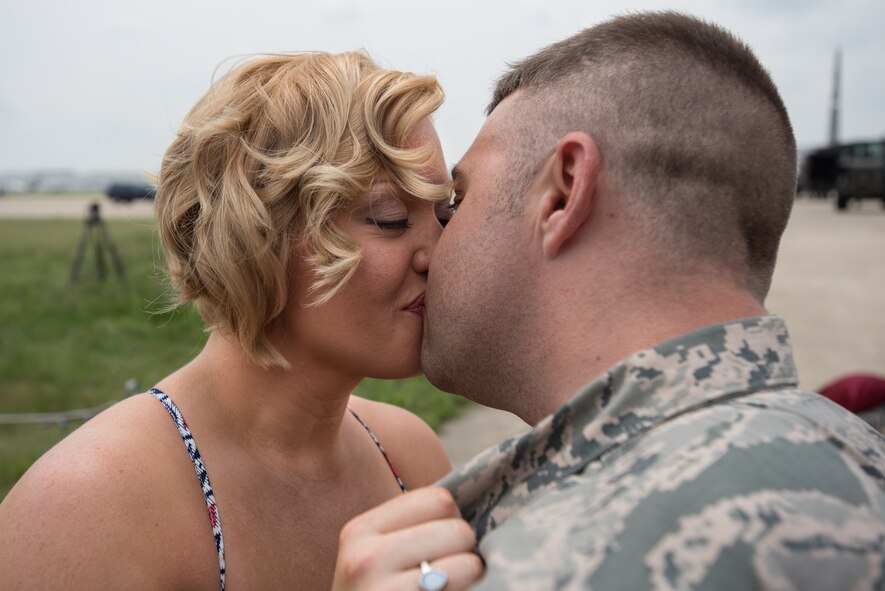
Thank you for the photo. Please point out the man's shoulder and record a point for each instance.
(767, 538)
(784, 423)
(762, 538)
(746, 420)
(779, 439)
(781, 476)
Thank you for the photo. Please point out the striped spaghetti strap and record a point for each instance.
(380, 447)
(203, 477)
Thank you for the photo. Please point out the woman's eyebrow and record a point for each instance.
(382, 186)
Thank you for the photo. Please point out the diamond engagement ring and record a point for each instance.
(431, 579)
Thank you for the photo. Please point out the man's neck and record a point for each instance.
(579, 346)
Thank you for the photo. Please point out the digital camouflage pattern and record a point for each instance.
(695, 464)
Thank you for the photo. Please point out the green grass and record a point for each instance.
(64, 347)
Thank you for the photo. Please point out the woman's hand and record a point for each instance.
(383, 548)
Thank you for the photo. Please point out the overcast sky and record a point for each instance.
(103, 85)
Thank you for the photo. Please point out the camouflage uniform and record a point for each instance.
(695, 464)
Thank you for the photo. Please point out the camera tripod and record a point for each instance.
(96, 232)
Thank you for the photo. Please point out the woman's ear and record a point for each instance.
(568, 202)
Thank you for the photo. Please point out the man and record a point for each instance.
(604, 278)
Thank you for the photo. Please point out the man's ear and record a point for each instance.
(571, 189)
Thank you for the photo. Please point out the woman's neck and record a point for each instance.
(291, 416)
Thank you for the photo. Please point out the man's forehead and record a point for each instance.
(491, 139)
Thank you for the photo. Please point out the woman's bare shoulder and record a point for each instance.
(413, 447)
(93, 509)
(122, 440)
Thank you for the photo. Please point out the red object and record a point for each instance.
(857, 393)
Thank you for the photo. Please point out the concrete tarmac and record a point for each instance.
(62, 206)
(829, 285)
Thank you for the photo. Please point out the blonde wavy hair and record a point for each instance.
(265, 160)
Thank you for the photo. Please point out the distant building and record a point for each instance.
(64, 181)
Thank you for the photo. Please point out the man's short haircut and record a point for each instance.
(266, 160)
(689, 125)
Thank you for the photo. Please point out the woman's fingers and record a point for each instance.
(381, 555)
(381, 548)
(429, 541)
(418, 506)
(462, 570)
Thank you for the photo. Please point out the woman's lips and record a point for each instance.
(417, 305)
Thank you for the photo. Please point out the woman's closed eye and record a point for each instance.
(387, 213)
(401, 224)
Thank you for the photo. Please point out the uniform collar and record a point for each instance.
(717, 362)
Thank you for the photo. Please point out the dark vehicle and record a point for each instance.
(126, 192)
(852, 171)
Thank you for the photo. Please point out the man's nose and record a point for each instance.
(427, 243)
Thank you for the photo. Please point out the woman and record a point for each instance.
(298, 209)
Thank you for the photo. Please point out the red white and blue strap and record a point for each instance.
(380, 447)
(191, 445)
(194, 453)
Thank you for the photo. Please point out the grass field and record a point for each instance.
(67, 347)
